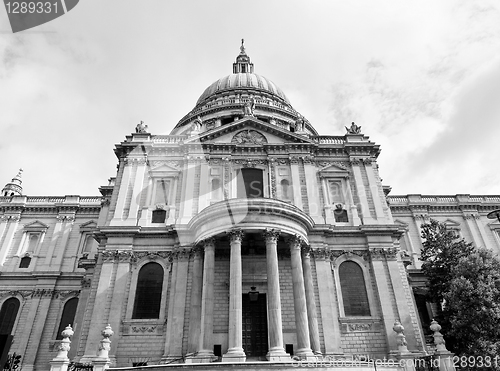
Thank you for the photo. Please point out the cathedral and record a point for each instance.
(244, 235)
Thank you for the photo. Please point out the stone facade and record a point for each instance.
(243, 196)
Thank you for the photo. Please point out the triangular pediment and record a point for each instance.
(36, 225)
(335, 167)
(334, 170)
(451, 223)
(250, 131)
(163, 166)
(89, 224)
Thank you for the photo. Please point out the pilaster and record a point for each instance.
(374, 189)
(363, 200)
(179, 304)
(329, 309)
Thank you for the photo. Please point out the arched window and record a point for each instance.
(285, 184)
(68, 316)
(148, 292)
(352, 284)
(8, 315)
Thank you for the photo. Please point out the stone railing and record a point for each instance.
(168, 138)
(456, 199)
(326, 139)
(51, 199)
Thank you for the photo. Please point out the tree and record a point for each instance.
(465, 281)
(442, 250)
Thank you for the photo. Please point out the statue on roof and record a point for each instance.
(197, 123)
(242, 47)
(141, 128)
(354, 129)
(249, 107)
(299, 124)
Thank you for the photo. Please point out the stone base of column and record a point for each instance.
(234, 355)
(278, 355)
(59, 364)
(203, 356)
(101, 364)
(306, 354)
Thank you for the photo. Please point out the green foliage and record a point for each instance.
(465, 281)
(442, 250)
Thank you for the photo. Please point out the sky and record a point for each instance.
(422, 79)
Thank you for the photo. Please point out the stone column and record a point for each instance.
(206, 346)
(310, 300)
(235, 351)
(299, 298)
(196, 292)
(276, 350)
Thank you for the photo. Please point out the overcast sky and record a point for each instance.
(422, 78)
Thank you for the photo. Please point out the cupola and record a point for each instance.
(14, 187)
(243, 63)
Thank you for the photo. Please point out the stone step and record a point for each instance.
(320, 365)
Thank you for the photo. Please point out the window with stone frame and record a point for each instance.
(354, 294)
(67, 316)
(285, 189)
(161, 192)
(32, 239)
(148, 292)
(216, 189)
(337, 200)
(159, 216)
(87, 242)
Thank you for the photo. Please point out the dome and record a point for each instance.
(242, 93)
(242, 81)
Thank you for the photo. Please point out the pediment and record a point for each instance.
(91, 224)
(250, 131)
(163, 167)
(451, 223)
(334, 170)
(36, 225)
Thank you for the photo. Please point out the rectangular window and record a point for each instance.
(87, 244)
(32, 242)
(161, 192)
(336, 193)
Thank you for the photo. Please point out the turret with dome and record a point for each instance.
(243, 93)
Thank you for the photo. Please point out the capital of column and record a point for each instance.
(235, 235)
(271, 234)
(197, 251)
(306, 251)
(209, 243)
(295, 242)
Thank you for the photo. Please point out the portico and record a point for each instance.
(249, 242)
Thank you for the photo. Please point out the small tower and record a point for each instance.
(14, 187)
(243, 64)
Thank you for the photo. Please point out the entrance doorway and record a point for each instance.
(255, 326)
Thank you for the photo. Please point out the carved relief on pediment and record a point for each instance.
(249, 137)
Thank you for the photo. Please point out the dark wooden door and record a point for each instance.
(255, 326)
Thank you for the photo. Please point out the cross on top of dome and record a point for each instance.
(243, 63)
